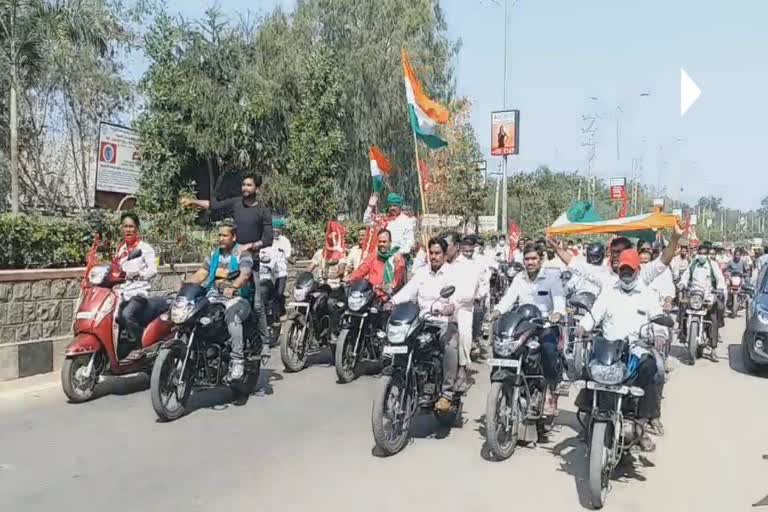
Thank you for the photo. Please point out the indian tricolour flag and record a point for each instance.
(425, 114)
(380, 167)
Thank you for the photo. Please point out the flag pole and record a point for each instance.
(418, 173)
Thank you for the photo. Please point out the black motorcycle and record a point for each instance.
(515, 405)
(360, 338)
(198, 356)
(610, 405)
(576, 350)
(309, 325)
(414, 379)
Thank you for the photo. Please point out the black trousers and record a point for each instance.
(552, 363)
(278, 301)
(137, 313)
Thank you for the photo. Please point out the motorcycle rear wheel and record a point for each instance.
(599, 472)
(502, 439)
(77, 389)
(346, 362)
(293, 346)
(391, 415)
(163, 384)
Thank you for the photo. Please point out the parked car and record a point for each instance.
(754, 342)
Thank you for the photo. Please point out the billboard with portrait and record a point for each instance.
(505, 132)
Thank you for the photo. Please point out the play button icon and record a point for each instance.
(689, 92)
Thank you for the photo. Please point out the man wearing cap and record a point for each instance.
(624, 310)
(282, 246)
(397, 222)
(279, 240)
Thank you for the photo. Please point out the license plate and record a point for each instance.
(391, 349)
(506, 363)
(623, 390)
(696, 312)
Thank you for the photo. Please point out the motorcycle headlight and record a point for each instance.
(98, 274)
(180, 310)
(505, 346)
(610, 375)
(356, 301)
(300, 294)
(696, 301)
(397, 333)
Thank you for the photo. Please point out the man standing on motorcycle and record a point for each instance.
(475, 276)
(424, 288)
(545, 291)
(253, 221)
(229, 258)
(397, 222)
(623, 310)
(705, 274)
(134, 293)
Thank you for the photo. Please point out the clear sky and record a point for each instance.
(562, 52)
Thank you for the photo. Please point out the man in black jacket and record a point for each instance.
(253, 221)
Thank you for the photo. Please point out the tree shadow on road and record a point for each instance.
(572, 453)
(736, 362)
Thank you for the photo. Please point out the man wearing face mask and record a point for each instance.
(545, 291)
(605, 280)
(705, 274)
(623, 310)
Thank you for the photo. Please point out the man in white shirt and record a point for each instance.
(424, 288)
(624, 310)
(473, 274)
(705, 274)
(594, 255)
(663, 285)
(502, 249)
(680, 262)
(401, 226)
(545, 291)
(282, 246)
(355, 254)
(273, 267)
(279, 240)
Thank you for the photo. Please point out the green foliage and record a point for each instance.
(42, 242)
(316, 146)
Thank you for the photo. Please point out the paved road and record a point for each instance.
(308, 444)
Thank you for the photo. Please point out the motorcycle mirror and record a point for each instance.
(447, 291)
(664, 321)
(641, 312)
(134, 254)
(233, 275)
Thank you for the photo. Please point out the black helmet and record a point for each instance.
(595, 253)
(528, 311)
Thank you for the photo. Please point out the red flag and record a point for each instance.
(335, 241)
(514, 237)
(426, 182)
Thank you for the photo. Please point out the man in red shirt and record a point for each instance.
(385, 269)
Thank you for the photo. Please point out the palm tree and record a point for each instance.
(29, 29)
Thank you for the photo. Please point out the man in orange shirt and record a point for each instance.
(385, 269)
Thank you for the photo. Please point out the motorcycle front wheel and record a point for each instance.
(293, 346)
(693, 341)
(74, 383)
(163, 384)
(502, 420)
(391, 414)
(346, 361)
(599, 470)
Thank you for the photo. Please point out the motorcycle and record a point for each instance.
(198, 356)
(98, 347)
(515, 404)
(577, 351)
(308, 328)
(413, 380)
(613, 426)
(359, 339)
(737, 295)
(698, 324)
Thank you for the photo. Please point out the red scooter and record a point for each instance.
(97, 336)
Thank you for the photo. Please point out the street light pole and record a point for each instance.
(504, 186)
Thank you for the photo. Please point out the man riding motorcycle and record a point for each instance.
(623, 309)
(595, 254)
(384, 269)
(705, 274)
(215, 269)
(544, 290)
(134, 293)
(424, 288)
